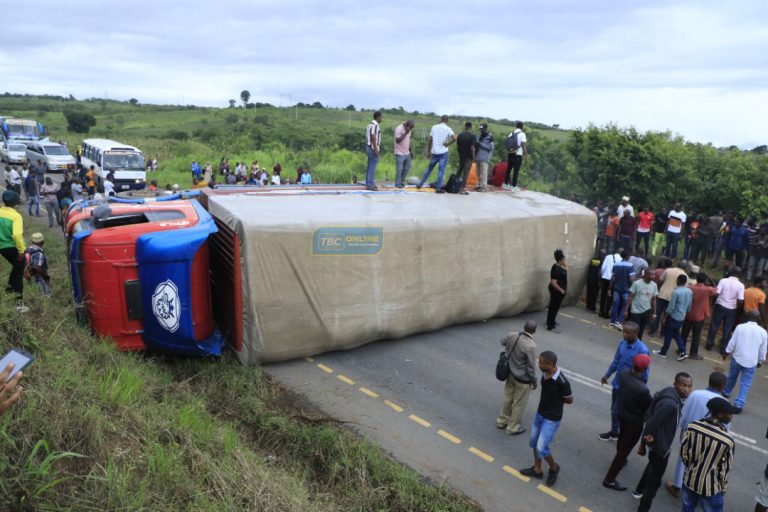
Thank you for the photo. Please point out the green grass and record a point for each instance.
(98, 430)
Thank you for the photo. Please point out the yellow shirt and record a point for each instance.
(11, 229)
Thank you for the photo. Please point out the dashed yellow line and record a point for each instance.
(393, 405)
(324, 368)
(567, 315)
(368, 392)
(420, 421)
(345, 379)
(586, 321)
(515, 473)
(481, 454)
(309, 359)
(546, 490)
(451, 438)
(584, 509)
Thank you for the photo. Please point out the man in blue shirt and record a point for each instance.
(629, 347)
(694, 409)
(623, 274)
(679, 306)
(738, 243)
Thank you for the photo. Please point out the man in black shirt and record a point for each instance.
(465, 145)
(660, 219)
(634, 399)
(555, 392)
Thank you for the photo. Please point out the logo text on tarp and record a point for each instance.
(347, 240)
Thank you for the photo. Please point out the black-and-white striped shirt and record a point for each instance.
(707, 452)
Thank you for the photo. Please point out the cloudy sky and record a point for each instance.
(697, 68)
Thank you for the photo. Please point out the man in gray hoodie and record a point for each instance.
(521, 353)
(659, 434)
(483, 154)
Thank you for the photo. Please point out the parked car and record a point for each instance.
(54, 157)
(13, 152)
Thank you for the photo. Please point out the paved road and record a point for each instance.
(431, 400)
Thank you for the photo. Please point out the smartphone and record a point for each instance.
(20, 360)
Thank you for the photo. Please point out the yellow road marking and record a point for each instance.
(324, 368)
(546, 490)
(567, 315)
(345, 379)
(446, 435)
(481, 454)
(516, 473)
(368, 392)
(586, 321)
(309, 359)
(422, 422)
(584, 509)
(393, 406)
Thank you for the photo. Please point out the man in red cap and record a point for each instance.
(634, 399)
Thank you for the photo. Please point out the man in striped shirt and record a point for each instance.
(372, 149)
(707, 452)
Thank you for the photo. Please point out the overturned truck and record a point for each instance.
(304, 271)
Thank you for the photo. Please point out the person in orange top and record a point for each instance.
(754, 299)
(701, 309)
(612, 231)
(153, 185)
(90, 179)
(644, 223)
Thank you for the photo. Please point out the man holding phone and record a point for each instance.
(10, 391)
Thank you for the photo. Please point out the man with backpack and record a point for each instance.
(516, 149)
(483, 154)
(521, 356)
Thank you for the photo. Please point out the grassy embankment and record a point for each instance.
(101, 430)
(330, 141)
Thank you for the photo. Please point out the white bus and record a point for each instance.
(124, 161)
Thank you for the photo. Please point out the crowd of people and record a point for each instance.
(243, 174)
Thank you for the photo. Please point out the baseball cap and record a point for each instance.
(37, 238)
(718, 404)
(483, 126)
(641, 361)
(10, 197)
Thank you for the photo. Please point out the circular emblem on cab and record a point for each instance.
(166, 305)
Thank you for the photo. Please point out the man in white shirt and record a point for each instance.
(606, 272)
(516, 149)
(747, 346)
(15, 180)
(372, 149)
(730, 297)
(440, 137)
(624, 205)
(675, 223)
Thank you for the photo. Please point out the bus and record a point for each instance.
(13, 129)
(125, 162)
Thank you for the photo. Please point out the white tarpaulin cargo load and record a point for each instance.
(323, 272)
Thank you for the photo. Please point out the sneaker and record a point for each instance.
(637, 494)
(440, 191)
(619, 326)
(615, 485)
(21, 308)
(659, 353)
(418, 187)
(552, 476)
(695, 357)
(608, 436)
(517, 432)
(517, 189)
(683, 356)
(531, 472)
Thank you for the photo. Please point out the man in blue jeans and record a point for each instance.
(372, 149)
(623, 274)
(440, 137)
(730, 298)
(679, 306)
(629, 347)
(748, 347)
(555, 392)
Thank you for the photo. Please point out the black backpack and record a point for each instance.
(502, 366)
(512, 143)
(453, 185)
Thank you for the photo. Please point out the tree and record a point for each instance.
(79, 122)
(245, 96)
(317, 104)
(133, 101)
(232, 103)
(351, 108)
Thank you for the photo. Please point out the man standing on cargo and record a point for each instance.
(440, 137)
(372, 149)
(403, 153)
(465, 145)
(521, 354)
(12, 246)
(483, 154)
(516, 149)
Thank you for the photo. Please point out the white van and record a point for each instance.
(125, 162)
(55, 157)
(13, 152)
